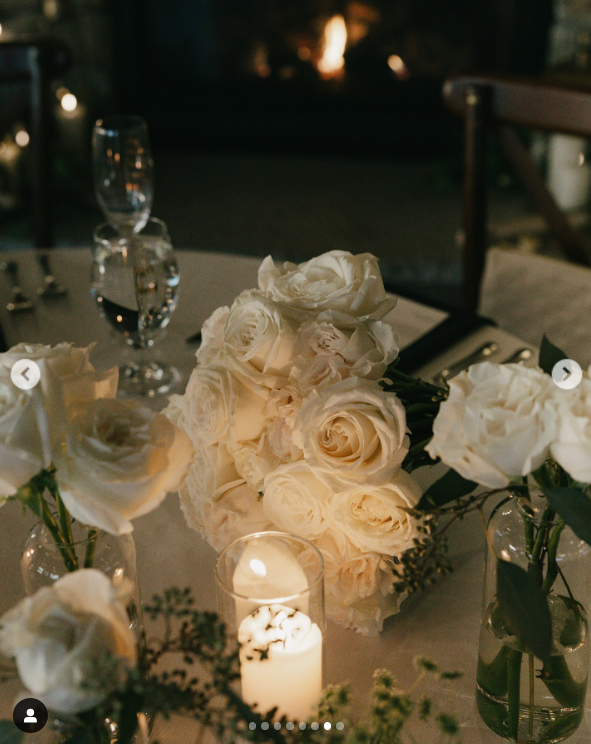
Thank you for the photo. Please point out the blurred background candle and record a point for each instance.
(281, 661)
(270, 589)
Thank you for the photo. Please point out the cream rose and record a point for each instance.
(212, 336)
(282, 408)
(71, 641)
(336, 280)
(204, 410)
(254, 460)
(237, 513)
(258, 340)
(296, 501)
(335, 346)
(572, 445)
(374, 518)
(352, 433)
(120, 462)
(497, 423)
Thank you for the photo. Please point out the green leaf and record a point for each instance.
(549, 355)
(574, 507)
(448, 488)
(524, 608)
(9, 734)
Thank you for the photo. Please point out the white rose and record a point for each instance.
(237, 513)
(258, 340)
(212, 336)
(335, 346)
(337, 280)
(359, 585)
(296, 501)
(120, 462)
(68, 379)
(375, 517)
(32, 422)
(497, 423)
(352, 433)
(23, 452)
(253, 460)
(212, 473)
(66, 638)
(572, 447)
(282, 408)
(204, 410)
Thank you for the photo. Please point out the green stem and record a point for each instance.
(532, 698)
(90, 548)
(513, 694)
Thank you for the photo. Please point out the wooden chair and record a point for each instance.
(36, 62)
(499, 104)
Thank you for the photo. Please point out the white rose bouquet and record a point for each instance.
(70, 450)
(300, 422)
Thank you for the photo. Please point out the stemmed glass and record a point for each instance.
(134, 276)
(123, 171)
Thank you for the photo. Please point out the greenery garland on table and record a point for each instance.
(203, 688)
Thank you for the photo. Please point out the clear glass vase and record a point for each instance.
(520, 697)
(43, 562)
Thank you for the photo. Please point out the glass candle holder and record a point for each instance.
(270, 588)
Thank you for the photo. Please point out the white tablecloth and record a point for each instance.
(442, 623)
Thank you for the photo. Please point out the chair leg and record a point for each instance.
(41, 144)
(475, 222)
(571, 242)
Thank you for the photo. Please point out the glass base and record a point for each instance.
(147, 380)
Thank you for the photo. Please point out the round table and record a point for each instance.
(441, 623)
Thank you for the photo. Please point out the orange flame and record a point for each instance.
(332, 61)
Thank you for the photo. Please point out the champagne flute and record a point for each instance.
(123, 171)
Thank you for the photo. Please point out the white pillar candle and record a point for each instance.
(269, 572)
(281, 661)
(569, 175)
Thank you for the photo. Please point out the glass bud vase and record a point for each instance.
(520, 697)
(43, 562)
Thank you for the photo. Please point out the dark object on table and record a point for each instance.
(36, 61)
(195, 338)
(19, 302)
(494, 103)
(51, 287)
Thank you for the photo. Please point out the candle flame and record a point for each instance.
(335, 40)
(258, 567)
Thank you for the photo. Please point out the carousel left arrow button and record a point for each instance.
(25, 374)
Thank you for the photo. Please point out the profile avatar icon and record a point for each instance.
(30, 715)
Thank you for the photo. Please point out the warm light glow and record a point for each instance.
(0, 29)
(22, 138)
(119, 319)
(335, 40)
(258, 567)
(69, 102)
(398, 67)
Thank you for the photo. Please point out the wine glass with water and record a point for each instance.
(136, 291)
(135, 276)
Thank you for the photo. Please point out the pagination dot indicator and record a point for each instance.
(290, 725)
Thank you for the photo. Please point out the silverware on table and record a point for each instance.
(19, 302)
(521, 355)
(478, 355)
(51, 288)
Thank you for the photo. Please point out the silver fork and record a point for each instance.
(482, 352)
(19, 302)
(51, 287)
